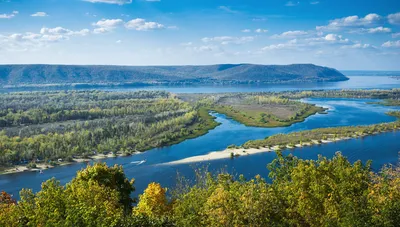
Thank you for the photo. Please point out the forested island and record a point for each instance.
(94, 76)
(43, 127)
(323, 192)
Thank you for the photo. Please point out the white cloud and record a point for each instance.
(227, 9)
(118, 2)
(310, 44)
(8, 16)
(140, 24)
(39, 14)
(351, 22)
(108, 23)
(100, 30)
(204, 48)
(292, 44)
(118, 41)
(290, 34)
(224, 40)
(357, 46)
(292, 3)
(63, 31)
(261, 30)
(330, 38)
(32, 41)
(394, 18)
(314, 3)
(391, 44)
(246, 30)
(379, 30)
(396, 35)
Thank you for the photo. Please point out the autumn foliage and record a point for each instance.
(324, 192)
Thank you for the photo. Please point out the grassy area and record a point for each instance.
(256, 109)
(269, 115)
(262, 119)
(388, 102)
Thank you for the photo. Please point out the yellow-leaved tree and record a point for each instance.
(153, 202)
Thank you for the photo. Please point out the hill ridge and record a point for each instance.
(42, 74)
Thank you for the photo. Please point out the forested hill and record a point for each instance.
(209, 74)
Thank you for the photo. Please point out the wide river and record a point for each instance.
(381, 149)
(355, 82)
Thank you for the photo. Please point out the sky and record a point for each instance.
(343, 34)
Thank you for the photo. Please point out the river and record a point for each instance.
(354, 82)
(381, 149)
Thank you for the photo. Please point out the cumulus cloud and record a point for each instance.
(379, 30)
(39, 14)
(394, 18)
(8, 16)
(224, 40)
(108, 23)
(30, 40)
(283, 46)
(329, 38)
(100, 30)
(392, 44)
(357, 46)
(351, 22)
(118, 2)
(63, 31)
(396, 35)
(140, 24)
(290, 34)
(246, 30)
(310, 43)
(261, 30)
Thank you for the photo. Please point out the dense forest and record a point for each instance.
(50, 75)
(324, 192)
(45, 126)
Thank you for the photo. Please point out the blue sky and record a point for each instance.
(345, 34)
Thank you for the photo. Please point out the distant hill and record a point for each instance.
(19, 75)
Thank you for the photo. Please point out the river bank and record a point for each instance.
(43, 166)
(240, 151)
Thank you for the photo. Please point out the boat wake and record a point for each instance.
(138, 162)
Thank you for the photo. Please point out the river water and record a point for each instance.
(356, 82)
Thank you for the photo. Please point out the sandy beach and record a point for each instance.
(237, 152)
(44, 166)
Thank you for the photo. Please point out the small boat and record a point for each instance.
(41, 171)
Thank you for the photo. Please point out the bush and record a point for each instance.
(31, 165)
